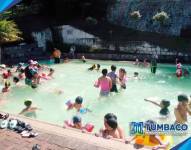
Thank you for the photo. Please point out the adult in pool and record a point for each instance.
(153, 66)
(164, 104)
(182, 110)
(122, 78)
(104, 83)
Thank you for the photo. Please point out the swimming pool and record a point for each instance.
(75, 80)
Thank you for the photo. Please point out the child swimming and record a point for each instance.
(104, 83)
(122, 78)
(77, 105)
(113, 77)
(111, 128)
(164, 104)
(29, 111)
(182, 110)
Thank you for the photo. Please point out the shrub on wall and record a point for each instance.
(135, 15)
(161, 17)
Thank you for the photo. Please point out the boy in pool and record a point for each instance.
(122, 78)
(76, 123)
(111, 128)
(136, 76)
(113, 77)
(182, 110)
(7, 87)
(164, 104)
(29, 111)
(77, 105)
(104, 83)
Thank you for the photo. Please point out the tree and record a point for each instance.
(9, 32)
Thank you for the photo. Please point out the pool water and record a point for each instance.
(129, 105)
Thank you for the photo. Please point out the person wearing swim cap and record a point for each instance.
(182, 110)
(77, 104)
(104, 83)
(164, 104)
(111, 128)
(29, 111)
(6, 87)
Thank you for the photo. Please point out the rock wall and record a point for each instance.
(179, 12)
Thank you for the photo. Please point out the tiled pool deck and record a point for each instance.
(52, 137)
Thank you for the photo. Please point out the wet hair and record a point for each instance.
(109, 116)
(113, 68)
(34, 85)
(183, 98)
(51, 70)
(28, 103)
(112, 122)
(104, 72)
(136, 73)
(16, 79)
(165, 103)
(79, 100)
(76, 119)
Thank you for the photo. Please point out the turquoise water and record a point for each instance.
(129, 105)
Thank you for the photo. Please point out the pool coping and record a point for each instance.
(69, 133)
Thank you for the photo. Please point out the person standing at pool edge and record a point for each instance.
(113, 77)
(56, 55)
(104, 83)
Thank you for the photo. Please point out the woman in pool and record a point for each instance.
(111, 128)
(122, 78)
(29, 111)
(164, 104)
(182, 110)
(104, 83)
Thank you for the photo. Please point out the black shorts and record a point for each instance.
(114, 88)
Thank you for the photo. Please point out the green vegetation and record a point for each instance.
(135, 15)
(9, 31)
(161, 17)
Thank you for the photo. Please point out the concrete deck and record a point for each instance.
(53, 137)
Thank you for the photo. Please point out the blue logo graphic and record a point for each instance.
(136, 128)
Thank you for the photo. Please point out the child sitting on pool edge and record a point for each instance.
(164, 104)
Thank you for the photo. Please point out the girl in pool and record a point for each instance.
(164, 104)
(104, 83)
(111, 128)
(29, 111)
(122, 78)
(7, 87)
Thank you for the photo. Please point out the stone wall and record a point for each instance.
(179, 12)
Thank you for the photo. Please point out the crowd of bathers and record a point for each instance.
(34, 73)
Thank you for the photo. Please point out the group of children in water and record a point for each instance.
(34, 72)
